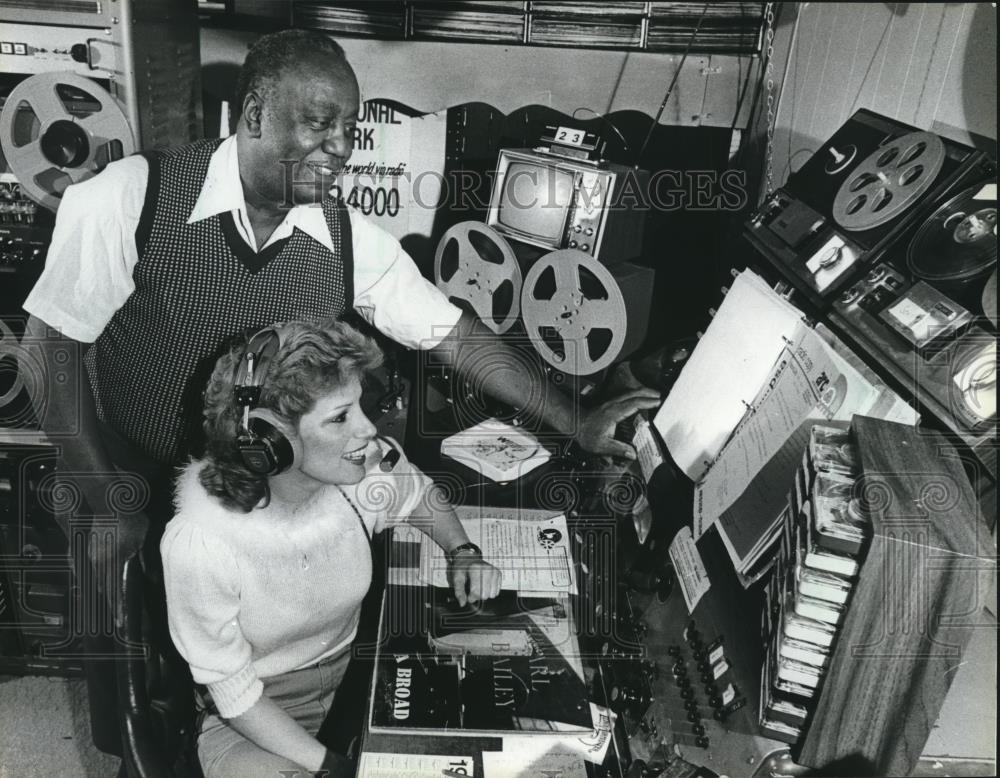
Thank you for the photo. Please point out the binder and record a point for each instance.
(739, 416)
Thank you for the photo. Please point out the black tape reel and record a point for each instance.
(20, 371)
(959, 240)
(889, 181)
(58, 129)
(574, 312)
(475, 264)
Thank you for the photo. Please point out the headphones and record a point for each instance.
(263, 448)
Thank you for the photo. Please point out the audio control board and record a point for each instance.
(34, 48)
(684, 699)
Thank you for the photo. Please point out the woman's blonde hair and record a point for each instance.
(316, 357)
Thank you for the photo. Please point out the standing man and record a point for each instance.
(155, 262)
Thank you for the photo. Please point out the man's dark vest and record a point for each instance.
(195, 286)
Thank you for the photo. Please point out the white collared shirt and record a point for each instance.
(88, 270)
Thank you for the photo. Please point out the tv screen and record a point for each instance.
(535, 200)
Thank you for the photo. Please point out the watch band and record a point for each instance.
(476, 550)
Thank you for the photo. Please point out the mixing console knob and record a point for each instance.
(622, 697)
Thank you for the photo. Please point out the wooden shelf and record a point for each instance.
(913, 608)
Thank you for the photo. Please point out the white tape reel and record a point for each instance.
(889, 181)
(48, 146)
(475, 264)
(574, 312)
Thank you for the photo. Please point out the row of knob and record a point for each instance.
(18, 212)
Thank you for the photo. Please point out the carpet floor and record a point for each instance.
(45, 730)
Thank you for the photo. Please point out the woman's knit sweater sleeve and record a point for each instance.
(201, 576)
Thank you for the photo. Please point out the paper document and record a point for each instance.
(496, 449)
(731, 362)
(810, 381)
(533, 553)
(802, 381)
(382, 765)
(691, 573)
(592, 746)
(647, 449)
(738, 417)
(524, 764)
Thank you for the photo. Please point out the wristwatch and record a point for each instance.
(465, 547)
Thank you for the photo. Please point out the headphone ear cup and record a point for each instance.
(268, 451)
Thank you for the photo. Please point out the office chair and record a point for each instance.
(156, 711)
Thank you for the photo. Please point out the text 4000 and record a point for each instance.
(371, 200)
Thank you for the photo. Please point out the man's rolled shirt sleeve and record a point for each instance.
(392, 295)
(88, 268)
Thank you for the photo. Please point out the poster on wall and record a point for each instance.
(394, 175)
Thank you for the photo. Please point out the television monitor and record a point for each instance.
(554, 202)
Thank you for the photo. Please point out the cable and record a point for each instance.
(741, 92)
(673, 81)
(605, 119)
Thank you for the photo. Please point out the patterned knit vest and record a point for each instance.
(196, 285)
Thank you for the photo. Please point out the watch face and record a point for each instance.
(470, 548)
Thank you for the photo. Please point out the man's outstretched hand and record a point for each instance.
(597, 428)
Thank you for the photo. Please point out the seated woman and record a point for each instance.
(268, 556)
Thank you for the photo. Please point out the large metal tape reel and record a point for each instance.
(475, 264)
(889, 181)
(574, 312)
(53, 137)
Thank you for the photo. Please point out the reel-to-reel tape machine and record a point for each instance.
(931, 315)
(890, 233)
(579, 315)
(857, 198)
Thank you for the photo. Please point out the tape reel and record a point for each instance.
(574, 312)
(473, 263)
(889, 181)
(20, 375)
(48, 146)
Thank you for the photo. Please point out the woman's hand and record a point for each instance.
(472, 579)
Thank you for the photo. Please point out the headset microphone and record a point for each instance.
(263, 448)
